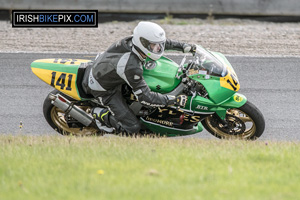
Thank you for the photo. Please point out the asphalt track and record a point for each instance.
(271, 83)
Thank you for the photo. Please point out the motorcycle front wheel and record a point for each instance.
(57, 120)
(246, 122)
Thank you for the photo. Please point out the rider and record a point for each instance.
(122, 63)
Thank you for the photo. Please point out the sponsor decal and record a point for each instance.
(199, 107)
(55, 18)
(159, 121)
(238, 98)
(193, 71)
(153, 105)
(188, 118)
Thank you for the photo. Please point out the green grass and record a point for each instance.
(44, 167)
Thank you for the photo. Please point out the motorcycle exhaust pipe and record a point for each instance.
(71, 109)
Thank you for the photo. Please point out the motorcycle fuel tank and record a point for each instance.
(160, 75)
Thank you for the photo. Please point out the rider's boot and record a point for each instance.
(102, 121)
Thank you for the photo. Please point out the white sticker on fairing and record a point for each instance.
(202, 72)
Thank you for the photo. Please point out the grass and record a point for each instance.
(45, 167)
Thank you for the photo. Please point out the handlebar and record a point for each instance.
(193, 63)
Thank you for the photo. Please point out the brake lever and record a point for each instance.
(181, 67)
(182, 61)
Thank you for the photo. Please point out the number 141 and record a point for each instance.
(61, 81)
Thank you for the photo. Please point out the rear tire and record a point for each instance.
(55, 118)
(246, 122)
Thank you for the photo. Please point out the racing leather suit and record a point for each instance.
(120, 64)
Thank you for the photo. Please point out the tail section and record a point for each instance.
(59, 73)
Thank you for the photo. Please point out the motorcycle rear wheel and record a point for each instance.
(56, 119)
(246, 122)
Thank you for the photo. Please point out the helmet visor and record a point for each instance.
(154, 47)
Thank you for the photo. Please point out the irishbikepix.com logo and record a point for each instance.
(54, 18)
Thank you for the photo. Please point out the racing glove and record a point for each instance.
(178, 101)
(189, 48)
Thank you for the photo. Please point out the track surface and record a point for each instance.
(271, 83)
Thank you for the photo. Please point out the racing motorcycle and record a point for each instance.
(208, 79)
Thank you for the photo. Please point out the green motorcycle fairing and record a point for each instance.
(216, 75)
(220, 86)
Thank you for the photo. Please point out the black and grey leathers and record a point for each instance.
(119, 64)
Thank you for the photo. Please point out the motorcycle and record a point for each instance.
(208, 79)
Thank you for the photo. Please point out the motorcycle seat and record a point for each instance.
(80, 76)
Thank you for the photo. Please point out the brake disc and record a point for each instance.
(235, 125)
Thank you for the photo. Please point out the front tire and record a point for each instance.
(246, 122)
(56, 119)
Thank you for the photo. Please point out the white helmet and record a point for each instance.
(150, 39)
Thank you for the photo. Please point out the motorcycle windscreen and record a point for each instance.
(209, 63)
(215, 74)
